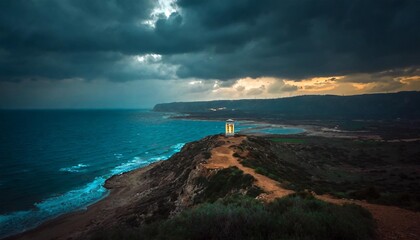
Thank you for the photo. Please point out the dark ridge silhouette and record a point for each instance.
(404, 105)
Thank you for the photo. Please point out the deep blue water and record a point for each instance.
(54, 162)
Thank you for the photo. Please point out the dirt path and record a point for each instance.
(222, 157)
(392, 222)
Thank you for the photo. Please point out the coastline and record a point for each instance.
(64, 221)
(165, 188)
(121, 188)
(363, 129)
(314, 129)
(142, 195)
(124, 189)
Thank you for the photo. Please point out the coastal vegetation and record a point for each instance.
(288, 140)
(237, 217)
(225, 182)
(377, 171)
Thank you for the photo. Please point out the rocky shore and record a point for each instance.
(144, 195)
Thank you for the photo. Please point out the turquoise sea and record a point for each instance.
(55, 162)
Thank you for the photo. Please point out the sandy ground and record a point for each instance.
(392, 222)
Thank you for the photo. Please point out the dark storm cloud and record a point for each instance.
(216, 39)
(71, 25)
(98, 65)
(298, 39)
(71, 38)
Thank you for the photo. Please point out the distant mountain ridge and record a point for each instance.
(404, 105)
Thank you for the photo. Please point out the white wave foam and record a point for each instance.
(73, 200)
(70, 201)
(75, 169)
(136, 162)
(177, 147)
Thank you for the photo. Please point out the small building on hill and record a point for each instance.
(230, 128)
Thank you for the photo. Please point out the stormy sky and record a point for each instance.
(136, 53)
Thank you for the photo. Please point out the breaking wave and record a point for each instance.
(75, 199)
(75, 169)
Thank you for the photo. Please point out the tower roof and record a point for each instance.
(229, 120)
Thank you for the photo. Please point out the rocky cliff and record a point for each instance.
(168, 187)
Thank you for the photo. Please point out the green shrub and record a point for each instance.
(226, 181)
(254, 191)
(246, 218)
(368, 193)
(261, 170)
(288, 140)
(206, 155)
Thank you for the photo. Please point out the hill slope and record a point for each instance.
(369, 106)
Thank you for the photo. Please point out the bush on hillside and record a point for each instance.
(225, 182)
(246, 218)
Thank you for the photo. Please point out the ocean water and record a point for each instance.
(55, 162)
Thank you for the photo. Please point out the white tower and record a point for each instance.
(230, 128)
